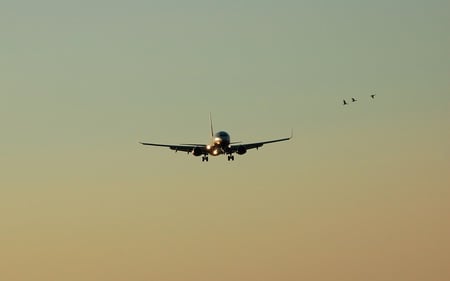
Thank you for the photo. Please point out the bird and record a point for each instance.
(344, 102)
(353, 99)
(373, 96)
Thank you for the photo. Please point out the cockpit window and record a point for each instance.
(222, 134)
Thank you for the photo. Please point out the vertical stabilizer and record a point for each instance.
(210, 121)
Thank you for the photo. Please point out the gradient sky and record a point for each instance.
(361, 193)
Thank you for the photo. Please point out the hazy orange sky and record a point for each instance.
(360, 193)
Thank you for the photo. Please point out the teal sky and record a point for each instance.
(360, 193)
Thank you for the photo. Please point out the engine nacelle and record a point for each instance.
(241, 150)
(197, 151)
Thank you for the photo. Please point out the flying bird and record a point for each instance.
(353, 99)
(373, 96)
(344, 102)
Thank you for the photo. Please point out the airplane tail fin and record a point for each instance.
(211, 123)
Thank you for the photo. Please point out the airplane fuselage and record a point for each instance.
(220, 144)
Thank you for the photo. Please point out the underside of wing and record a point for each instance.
(241, 148)
(194, 148)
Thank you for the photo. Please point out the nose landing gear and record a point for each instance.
(204, 158)
(230, 157)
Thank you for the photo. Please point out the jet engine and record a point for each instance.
(241, 150)
(197, 151)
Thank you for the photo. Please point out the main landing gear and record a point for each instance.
(205, 158)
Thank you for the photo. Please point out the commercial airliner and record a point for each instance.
(220, 144)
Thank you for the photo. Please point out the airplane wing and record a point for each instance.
(247, 146)
(181, 147)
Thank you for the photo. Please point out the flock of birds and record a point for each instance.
(344, 102)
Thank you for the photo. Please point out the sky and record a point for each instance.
(360, 193)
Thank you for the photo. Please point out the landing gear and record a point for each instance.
(230, 157)
(204, 158)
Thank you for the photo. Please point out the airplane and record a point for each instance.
(220, 144)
